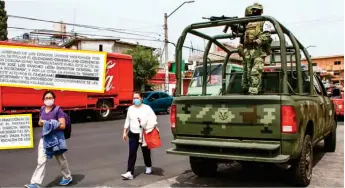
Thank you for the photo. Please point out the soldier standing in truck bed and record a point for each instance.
(255, 48)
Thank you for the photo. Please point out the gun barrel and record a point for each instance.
(215, 18)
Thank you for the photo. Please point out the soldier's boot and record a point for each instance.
(253, 91)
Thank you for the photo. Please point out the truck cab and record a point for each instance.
(214, 85)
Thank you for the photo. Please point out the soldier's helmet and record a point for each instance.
(257, 9)
(248, 11)
(257, 6)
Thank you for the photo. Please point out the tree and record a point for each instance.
(3, 21)
(145, 66)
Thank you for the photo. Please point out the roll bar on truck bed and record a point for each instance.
(279, 29)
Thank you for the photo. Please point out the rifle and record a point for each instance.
(236, 29)
(215, 18)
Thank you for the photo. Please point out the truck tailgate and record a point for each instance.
(233, 116)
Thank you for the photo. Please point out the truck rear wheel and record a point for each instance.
(330, 141)
(103, 114)
(302, 169)
(203, 167)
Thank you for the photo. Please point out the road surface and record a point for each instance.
(97, 156)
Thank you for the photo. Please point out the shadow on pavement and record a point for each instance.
(155, 171)
(233, 175)
(76, 179)
(86, 117)
(319, 152)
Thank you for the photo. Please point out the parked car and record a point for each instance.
(338, 99)
(159, 101)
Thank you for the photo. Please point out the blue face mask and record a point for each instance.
(136, 102)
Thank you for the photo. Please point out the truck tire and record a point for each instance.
(203, 167)
(330, 141)
(103, 115)
(302, 169)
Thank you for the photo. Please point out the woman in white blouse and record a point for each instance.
(138, 116)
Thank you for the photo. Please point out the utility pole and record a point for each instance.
(166, 16)
(166, 52)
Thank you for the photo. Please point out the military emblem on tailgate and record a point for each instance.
(223, 113)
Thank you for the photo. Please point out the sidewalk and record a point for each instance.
(177, 181)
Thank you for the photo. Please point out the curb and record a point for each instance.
(162, 183)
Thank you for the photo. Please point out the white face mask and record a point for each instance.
(49, 102)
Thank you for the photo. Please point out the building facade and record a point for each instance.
(159, 81)
(331, 65)
(102, 44)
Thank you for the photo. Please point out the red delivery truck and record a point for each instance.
(116, 98)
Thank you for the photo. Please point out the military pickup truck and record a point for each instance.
(279, 126)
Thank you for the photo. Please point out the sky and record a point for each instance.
(317, 23)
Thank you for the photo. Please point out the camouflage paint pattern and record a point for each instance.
(225, 120)
(309, 110)
(258, 117)
(248, 10)
(252, 70)
(254, 50)
(249, 120)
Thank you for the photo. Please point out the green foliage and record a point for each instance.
(145, 66)
(3, 21)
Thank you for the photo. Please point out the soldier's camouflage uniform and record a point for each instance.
(254, 51)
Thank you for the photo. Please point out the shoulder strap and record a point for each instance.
(41, 110)
(261, 25)
(56, 111)
(57, 107)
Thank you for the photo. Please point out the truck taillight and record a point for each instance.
(173, 116)
(288, 119)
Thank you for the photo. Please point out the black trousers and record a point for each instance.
(133, 148)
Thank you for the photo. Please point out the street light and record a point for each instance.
(166, 16)
(310, 46)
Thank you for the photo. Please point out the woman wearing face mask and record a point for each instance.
(138, 115)
(48, 113)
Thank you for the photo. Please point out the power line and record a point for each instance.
(146, 27)
(141, 21)
(153, 40)
(84, 34)
(318, 20)
(93, 31)
(78, 25)
(85, 26)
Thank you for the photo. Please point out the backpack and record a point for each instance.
(68, 127)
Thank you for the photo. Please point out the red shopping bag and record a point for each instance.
(152, 139)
